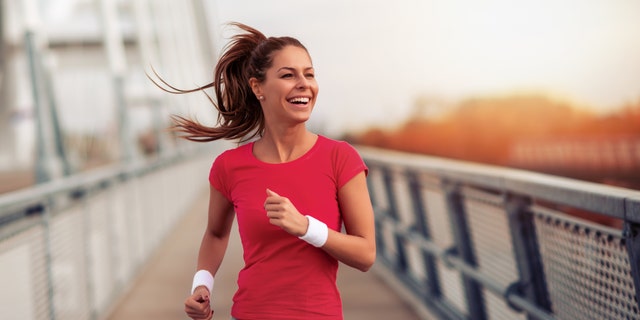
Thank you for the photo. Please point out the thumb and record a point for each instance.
(271, 193)
(203, 298)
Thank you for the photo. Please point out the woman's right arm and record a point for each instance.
(212, 250)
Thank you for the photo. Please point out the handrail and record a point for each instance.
(32, 196)
(72, 245)
(463, 235)
(609, 200)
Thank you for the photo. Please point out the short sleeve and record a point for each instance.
(218, 177)
(348, 163)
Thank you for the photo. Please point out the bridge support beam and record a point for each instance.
(51, 160)
(464, 249)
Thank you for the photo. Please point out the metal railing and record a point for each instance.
(471, 241)
(69, 248)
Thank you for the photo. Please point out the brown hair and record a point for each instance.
(247, 55)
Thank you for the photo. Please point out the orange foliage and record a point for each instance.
(483, 130)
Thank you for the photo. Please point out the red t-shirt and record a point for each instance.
(285, 277)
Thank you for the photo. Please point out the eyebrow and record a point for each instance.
(293, 69)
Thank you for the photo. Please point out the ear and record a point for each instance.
(255, 86)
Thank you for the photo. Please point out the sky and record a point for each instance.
(374, 58)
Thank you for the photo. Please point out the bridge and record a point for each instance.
(455, 240)
(101, 210)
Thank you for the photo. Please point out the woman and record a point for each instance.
(291, 189)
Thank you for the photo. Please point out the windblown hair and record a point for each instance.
(240, 116)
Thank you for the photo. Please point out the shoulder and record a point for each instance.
(231, 157)
(235, 153)
(341, 152)
(334, 144)
(345, 160)
(337, 147)
(227, 161)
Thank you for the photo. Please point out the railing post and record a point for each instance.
(432, 286)
(631, 234)
(89, 262)
(401, 260)
(464, 249)
(46, 215)
(526, 251)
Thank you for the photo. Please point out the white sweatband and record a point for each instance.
(317, 232)
(202, 278)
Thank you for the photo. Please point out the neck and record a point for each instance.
(285, 145)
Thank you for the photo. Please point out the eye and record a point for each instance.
(286, 76)
(310, 75)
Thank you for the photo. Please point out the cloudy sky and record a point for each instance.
(373, 57)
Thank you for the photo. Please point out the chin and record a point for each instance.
(302, 116)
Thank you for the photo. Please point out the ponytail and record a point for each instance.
(240, 116)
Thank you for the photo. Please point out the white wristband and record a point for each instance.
(202, 278)
(317, 232)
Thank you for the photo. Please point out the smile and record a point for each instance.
(299, 100)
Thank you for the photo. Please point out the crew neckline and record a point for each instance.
(300, 158)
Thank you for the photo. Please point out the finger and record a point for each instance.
(270, 193)
(207, 315)
(198, 314)
(197, 304)
(201, 313)
(202, 298)
(192, 304)
(271, 200)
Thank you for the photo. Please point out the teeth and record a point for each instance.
(299, 100)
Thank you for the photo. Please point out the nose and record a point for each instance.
(303, 83)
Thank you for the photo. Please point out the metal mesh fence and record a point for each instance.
(531, 262)
(72, 260)
(440, 229)
(69, 265)
(22, 257)
(586, 267)
(491, 239)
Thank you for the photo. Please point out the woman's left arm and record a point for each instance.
(356, 248)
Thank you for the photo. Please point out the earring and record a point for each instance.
(261, 97)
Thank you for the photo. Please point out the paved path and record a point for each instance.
(165, 281)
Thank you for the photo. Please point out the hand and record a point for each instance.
(282, 213)
(198, 305)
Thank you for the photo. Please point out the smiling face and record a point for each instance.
(289, 89)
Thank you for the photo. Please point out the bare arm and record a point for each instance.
(356, 248)
(216, 236)
(212, 249)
